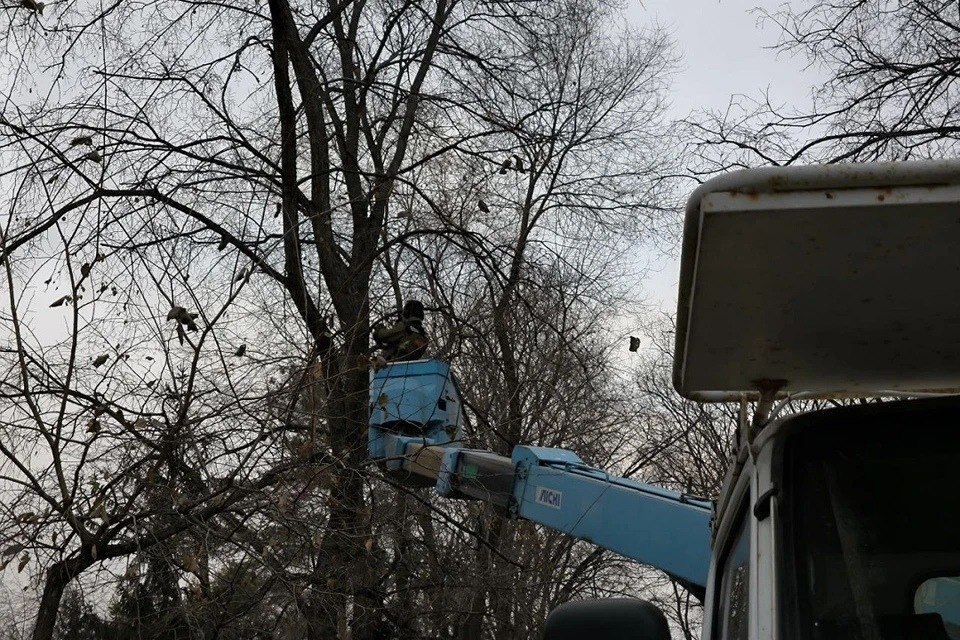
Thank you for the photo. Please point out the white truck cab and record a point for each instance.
(842, 523)
(834, 283)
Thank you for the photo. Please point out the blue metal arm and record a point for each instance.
(649, 524)
(416, 429)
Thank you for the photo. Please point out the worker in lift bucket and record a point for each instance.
(406, 339)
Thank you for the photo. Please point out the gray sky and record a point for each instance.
(724, 52)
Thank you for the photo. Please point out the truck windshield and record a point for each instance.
(873, 533)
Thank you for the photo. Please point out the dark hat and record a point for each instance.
(413, 310)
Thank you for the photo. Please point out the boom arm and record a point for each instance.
(552, 487)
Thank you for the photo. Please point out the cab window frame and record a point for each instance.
(740, 529)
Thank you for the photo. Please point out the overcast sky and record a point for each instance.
(724, 52)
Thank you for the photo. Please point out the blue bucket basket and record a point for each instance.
(415, 401)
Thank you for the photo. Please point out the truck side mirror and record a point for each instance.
(606, 618)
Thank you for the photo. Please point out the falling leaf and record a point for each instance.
(13, 549)
(24, 559)
(27, 517)
(133, 570)
(305, 449)
(175, 313)
(183, 317)
(100, 510)
(190, 563)
(100, 360)
(151, 383)
(148, 358)
(33, 6)
(483, 206)
(60, 301)
(241, 275)
(242, 349)
(56, 535)
(53, 178)
(93, 551)
(634, 343)
(82, 140)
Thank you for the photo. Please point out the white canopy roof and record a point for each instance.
(833, 280)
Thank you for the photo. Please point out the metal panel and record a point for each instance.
(480, 475)
(651, 525)
(418, 399)
(831, 281)
(409, 391)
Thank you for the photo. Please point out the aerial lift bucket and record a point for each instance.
(416, 402)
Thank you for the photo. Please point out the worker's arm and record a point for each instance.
(389, 334)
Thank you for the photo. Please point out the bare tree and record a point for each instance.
(545, 213)
(891, 69)
(208, 203)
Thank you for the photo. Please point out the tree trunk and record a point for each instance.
(58, 577)
(344, 568)
(472, 628)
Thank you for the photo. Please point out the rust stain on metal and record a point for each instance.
(752, 194)
(768, 384)
(777, 181)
